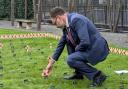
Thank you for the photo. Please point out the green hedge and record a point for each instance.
(5, 9)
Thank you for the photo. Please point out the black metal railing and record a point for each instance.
(106, 15)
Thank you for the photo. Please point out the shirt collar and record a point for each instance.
(67, 24)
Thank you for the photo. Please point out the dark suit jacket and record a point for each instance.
(87, 38)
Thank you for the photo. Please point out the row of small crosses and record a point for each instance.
(49, 35)
(118, 51)
(29, 35)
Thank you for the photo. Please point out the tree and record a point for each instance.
(39, 15)
(114, 9)
(26, 5)
(12, 12)
(34, 9)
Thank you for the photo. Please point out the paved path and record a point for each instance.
(119, 39)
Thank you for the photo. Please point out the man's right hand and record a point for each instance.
(46, 72)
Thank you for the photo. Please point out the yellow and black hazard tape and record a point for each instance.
(49, 35)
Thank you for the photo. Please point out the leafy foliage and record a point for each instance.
(5, 9)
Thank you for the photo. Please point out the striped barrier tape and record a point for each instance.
(49, 35)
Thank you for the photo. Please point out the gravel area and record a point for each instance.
(119, 39)
(116, 38)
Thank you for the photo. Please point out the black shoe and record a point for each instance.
(98, 80)
(74, 77)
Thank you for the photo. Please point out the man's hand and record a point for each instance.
(46, 72)
(1, 45)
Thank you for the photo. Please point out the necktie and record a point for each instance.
(69, 36)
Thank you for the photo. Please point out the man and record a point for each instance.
(85, 45)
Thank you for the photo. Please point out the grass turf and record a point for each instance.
(12, 31)
(22, 70)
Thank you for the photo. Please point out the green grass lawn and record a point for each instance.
(20, 69)
(12, 31)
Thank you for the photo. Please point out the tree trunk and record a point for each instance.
(69, 5)
(86, 7)
(39, 15)
(116, 16)
(12, 12)
(26, 5)
(109, 10)
(34, 9)
(114, 10)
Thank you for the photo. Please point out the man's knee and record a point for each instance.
(71, 60)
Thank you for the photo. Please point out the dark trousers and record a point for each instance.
(77, 61)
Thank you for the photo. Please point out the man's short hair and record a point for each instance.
(57, 11)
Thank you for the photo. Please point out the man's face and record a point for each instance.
(58, 21)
